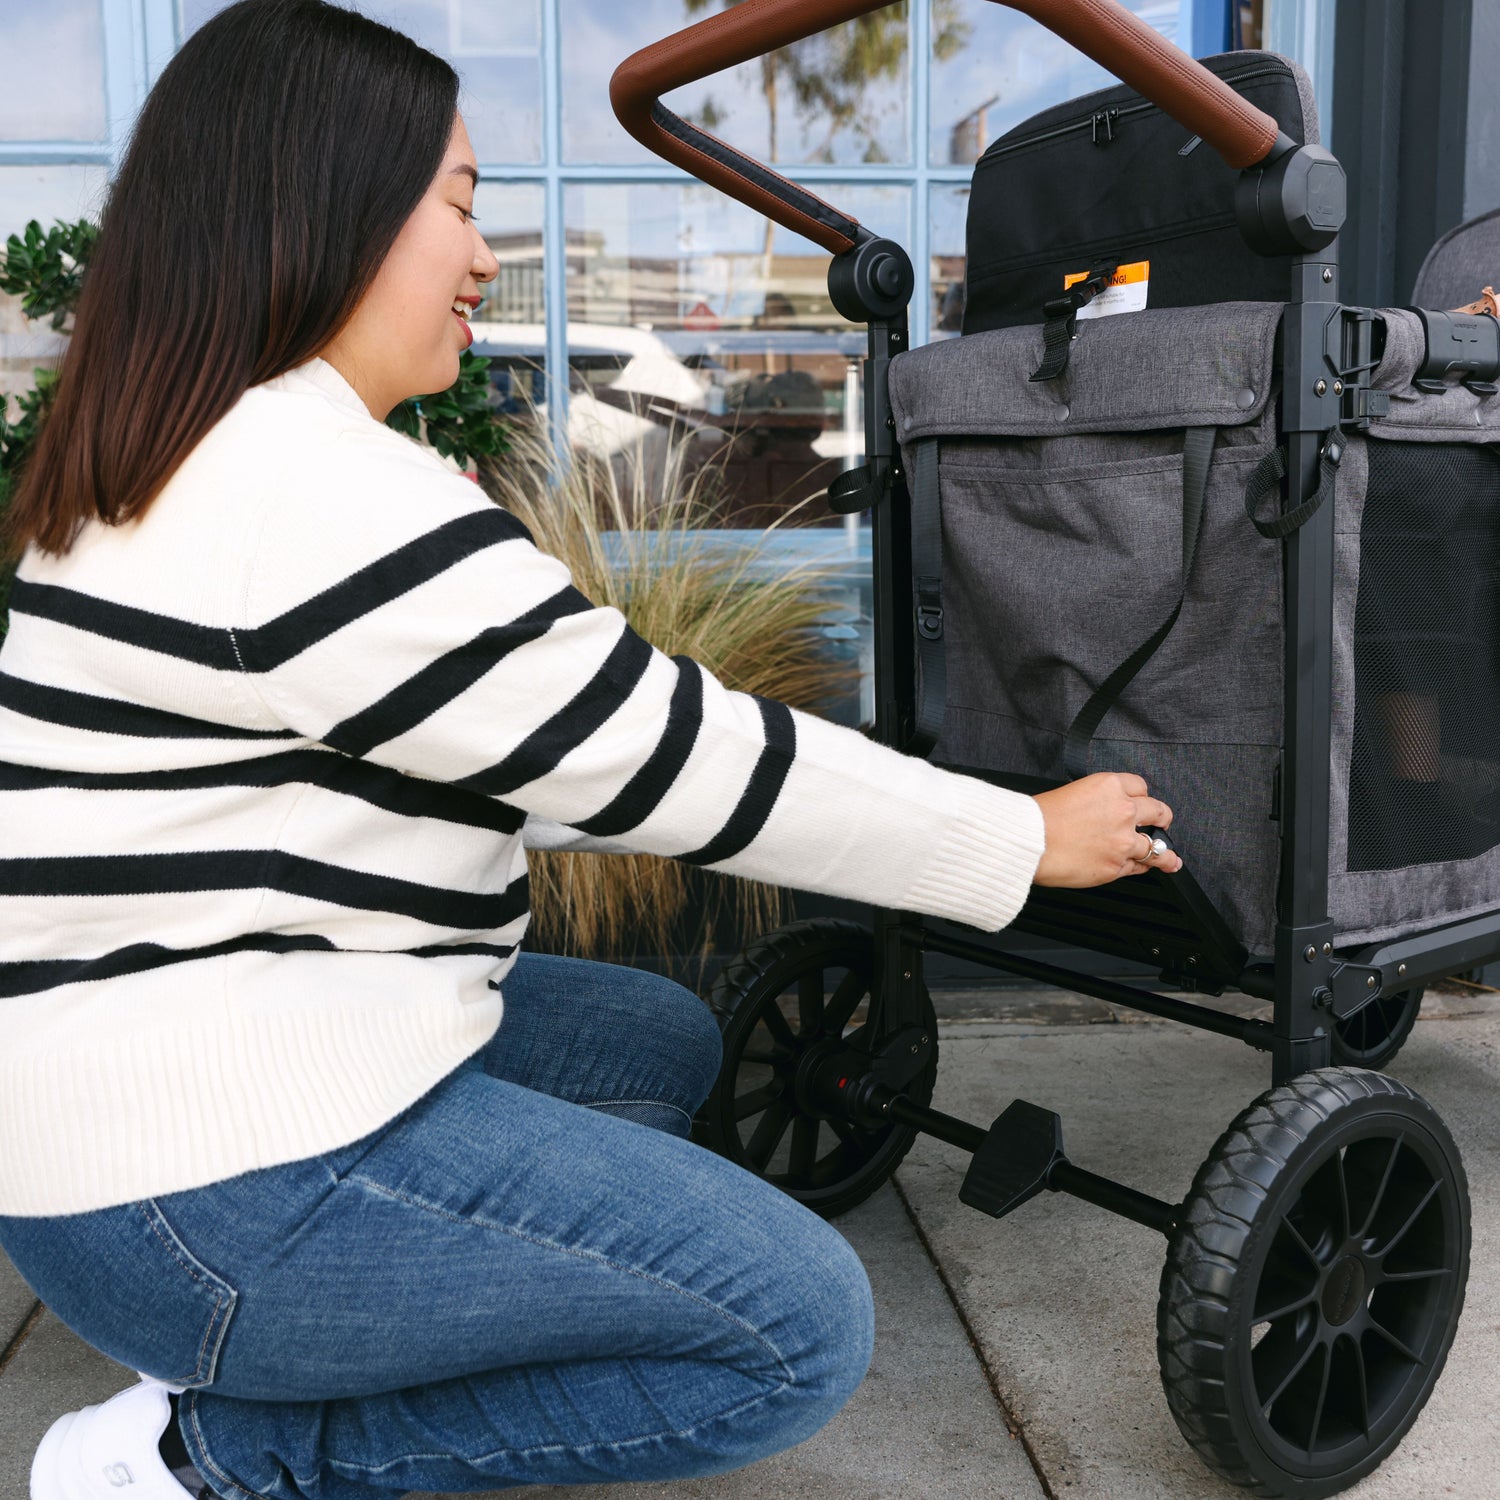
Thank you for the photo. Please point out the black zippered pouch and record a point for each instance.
(1108, 181)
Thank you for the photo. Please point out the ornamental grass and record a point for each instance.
(641, 532)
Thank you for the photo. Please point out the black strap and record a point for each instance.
(1062, 321)
(1197, 453)
(1057, 345)
(927, 593)
(1265, 484)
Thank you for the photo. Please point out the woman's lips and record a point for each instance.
(468, 332)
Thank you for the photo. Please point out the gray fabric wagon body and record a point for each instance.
(1062, 529)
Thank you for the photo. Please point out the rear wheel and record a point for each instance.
(1371, 1037)
(803, 986)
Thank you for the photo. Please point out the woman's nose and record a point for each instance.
(486, 266)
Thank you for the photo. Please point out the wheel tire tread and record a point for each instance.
(1191, 1313)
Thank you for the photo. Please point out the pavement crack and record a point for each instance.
(14, 1347)
(1012, 1421)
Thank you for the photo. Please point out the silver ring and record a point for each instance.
(1156, 847)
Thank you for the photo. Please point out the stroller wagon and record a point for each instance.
(1288, 507)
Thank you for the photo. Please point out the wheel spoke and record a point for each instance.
(1317, 1416)
(777, 1025)
(757, 1099)
(1379, 1198)
(1388, 1276)
(1401, 1348)
(1361, 1385)
(1280, 1312)
(765, 1059)
(810, 1003)
(843, 1131)
(1269, 1353)
(804, 1146)
(1300, 1241)
(1345, 1213)
(1411, 1219)
(844, 1002)
(768, 1133)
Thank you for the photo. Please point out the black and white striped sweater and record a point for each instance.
(265, 758)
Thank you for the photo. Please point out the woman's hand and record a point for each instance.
(1093, 831)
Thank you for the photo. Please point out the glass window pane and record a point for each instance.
(52, 71)
(993, 68)
(839, 97)
(510, 326)
(494, 44)
(948, 217)
(49, 193)
(689, 313)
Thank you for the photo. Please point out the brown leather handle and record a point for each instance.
(1103, 29)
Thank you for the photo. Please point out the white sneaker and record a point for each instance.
(96, 1453)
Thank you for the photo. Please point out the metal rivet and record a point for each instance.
(1244, 399)
(1156, 953)
(1327, 273)
(1371, 982)
(1309, 953)
(915, 1049)
(1327, 949)
(1063, 413)
(1338, 387)
(1400, 971)
(907, 974)
(924, 1038)
(1320, 388)
(1192, 959)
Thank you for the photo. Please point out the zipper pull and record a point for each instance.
(1106, 118)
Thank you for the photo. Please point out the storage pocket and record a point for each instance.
(122, 1279)
(1053, 575)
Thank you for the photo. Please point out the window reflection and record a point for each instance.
(949, 211)
(494, 44)
(838, 97)
(511, 324)
(52, 71)
(687, 311)
(999, 67)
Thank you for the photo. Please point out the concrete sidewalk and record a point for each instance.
(1016, 1360)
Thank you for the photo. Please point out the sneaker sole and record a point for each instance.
(47, 1482)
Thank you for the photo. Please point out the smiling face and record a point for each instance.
(406, 335)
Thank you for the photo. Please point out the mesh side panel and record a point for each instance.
(1424, 776)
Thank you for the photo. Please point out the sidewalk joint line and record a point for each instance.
(1012, 1422)
(14, 1347)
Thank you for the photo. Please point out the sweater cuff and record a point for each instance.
(982, 871)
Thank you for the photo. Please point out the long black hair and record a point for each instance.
(270, 171)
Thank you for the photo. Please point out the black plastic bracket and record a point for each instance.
(850, 1083)
(1016, 1160)
(1351, 987)
(872, 281)
(1292, 203)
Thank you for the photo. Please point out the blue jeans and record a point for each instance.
(529, 1277)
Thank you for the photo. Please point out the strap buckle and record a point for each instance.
(930, 621)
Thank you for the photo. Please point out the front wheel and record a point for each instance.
(803, 986)
(1314, 1283)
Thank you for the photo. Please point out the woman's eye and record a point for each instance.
(470, 217)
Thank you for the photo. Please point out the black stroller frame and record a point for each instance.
(1324, 1145)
